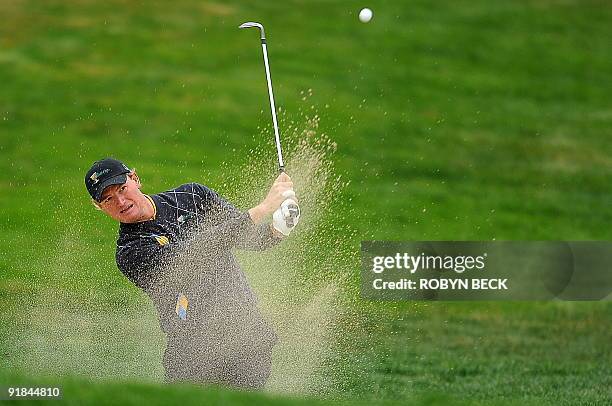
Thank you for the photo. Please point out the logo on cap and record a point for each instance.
(95, 176)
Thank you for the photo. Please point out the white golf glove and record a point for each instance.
(286, 217)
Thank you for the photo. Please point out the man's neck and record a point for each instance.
(149, 211)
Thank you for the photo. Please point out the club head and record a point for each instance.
(257, 25)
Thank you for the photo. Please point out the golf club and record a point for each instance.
(281, 164)
(289, 210)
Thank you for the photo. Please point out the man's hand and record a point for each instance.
(281, 190)
(286, 217)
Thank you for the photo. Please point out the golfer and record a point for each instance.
(177, 247)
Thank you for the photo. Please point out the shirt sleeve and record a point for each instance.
(232, 227)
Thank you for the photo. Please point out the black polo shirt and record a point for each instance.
(183, 258)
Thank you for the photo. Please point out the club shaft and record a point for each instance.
(281, 164)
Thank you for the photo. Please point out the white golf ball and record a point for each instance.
(365, 15)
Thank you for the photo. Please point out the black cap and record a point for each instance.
(104, 173)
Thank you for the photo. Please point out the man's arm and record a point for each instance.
(258, 215)
(227, 227)
(232, 228)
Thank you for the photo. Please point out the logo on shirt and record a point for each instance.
(181, 306)
(184, 217)
(161, 239)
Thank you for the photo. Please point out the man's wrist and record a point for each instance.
(257, 214)
(275, 232)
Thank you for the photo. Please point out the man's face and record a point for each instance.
(125, 203)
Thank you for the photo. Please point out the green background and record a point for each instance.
(454, 120)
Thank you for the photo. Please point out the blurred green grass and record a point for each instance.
(77, 391)
(454, 120)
